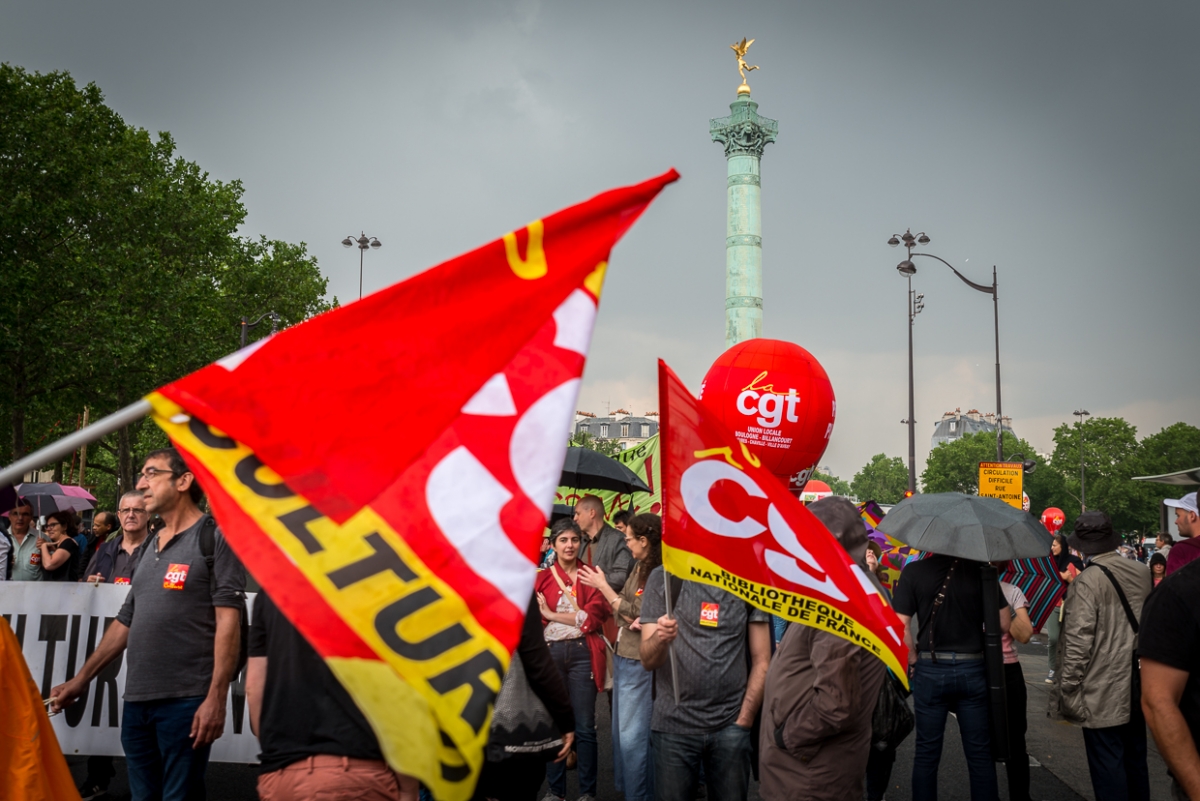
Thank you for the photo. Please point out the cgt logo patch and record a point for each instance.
(709, 614)
(176, 576)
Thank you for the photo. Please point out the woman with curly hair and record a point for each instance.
(632, 705)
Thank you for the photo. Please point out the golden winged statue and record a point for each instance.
(740, 48)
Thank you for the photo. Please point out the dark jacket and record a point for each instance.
(609, 553)
(104, 561)
(818, 702)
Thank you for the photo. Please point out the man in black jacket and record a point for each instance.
(113, 562)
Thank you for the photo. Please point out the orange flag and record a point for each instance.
(32, 767)
(386, 469)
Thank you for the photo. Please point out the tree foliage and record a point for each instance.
(839, 486)
(883, 480)
(954, 467)
(122, 263)
(609, 447)
(1112, 456)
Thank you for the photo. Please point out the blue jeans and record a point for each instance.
(724, 756)
(573, 659)
(632, 709)
(1117, 760)
(162, 764)
(939, 689)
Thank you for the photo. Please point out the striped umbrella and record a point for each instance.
(1040, 582)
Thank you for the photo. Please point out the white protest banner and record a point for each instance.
(58, 626)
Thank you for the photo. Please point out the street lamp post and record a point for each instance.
(363, 242)
(1081, 413)
(906, 267)
(246, 326)
(915, 305)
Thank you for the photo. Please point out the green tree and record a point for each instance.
(123, 265)
(954, 467)
(836, 484)
(1109, 447)
(882, 480)
(1133, 505)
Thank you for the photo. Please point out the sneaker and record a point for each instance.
(587, 798)
(552, 797)
(1050, 677)
(90, 790)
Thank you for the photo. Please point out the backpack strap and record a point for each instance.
(208, 547)
(1120, 594)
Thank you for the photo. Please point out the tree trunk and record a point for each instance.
(18, 429)
(125, 481)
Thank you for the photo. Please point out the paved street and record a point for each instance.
(1061, 775)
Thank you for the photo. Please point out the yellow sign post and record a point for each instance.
(1001, 480)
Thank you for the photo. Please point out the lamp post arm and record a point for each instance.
(990, 290)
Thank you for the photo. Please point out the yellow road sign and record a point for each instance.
(1001, 480)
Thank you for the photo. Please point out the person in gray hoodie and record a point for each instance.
(820, 695)
(1098, 684)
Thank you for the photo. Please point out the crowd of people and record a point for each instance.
(706, 691)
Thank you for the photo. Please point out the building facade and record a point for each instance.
(958, 424)
(620, 425)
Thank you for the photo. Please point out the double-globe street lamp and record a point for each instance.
(363, 241)
(908, 270)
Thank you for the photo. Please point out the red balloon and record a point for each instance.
(777, 400)
(1053, 519)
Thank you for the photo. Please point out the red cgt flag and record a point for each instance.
(386, 470)
(728, 522)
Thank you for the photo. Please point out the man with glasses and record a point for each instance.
(114, 561)
(27, 553)
(180, 628)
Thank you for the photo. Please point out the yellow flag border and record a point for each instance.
(792, 606)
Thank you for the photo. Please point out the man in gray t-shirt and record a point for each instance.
(180, 628)
(722, 649)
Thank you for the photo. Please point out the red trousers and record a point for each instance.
(334, 778)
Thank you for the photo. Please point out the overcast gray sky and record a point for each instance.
(1058, 141)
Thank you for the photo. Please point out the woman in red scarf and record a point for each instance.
(572, 614)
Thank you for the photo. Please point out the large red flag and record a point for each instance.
(728, 522)
(385, 471)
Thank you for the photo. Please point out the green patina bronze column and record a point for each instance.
(744, 134)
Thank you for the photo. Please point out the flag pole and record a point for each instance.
(56, 450)
(671, 645)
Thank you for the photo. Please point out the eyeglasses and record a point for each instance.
(15, 513)
(52, 524)
(150, 472)
(132, 512)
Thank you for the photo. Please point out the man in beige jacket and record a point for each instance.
(820, 694)
(1099, 667)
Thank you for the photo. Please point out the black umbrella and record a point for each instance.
(585, 468)
(560, 511)
(967, 526)
(42, 503)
